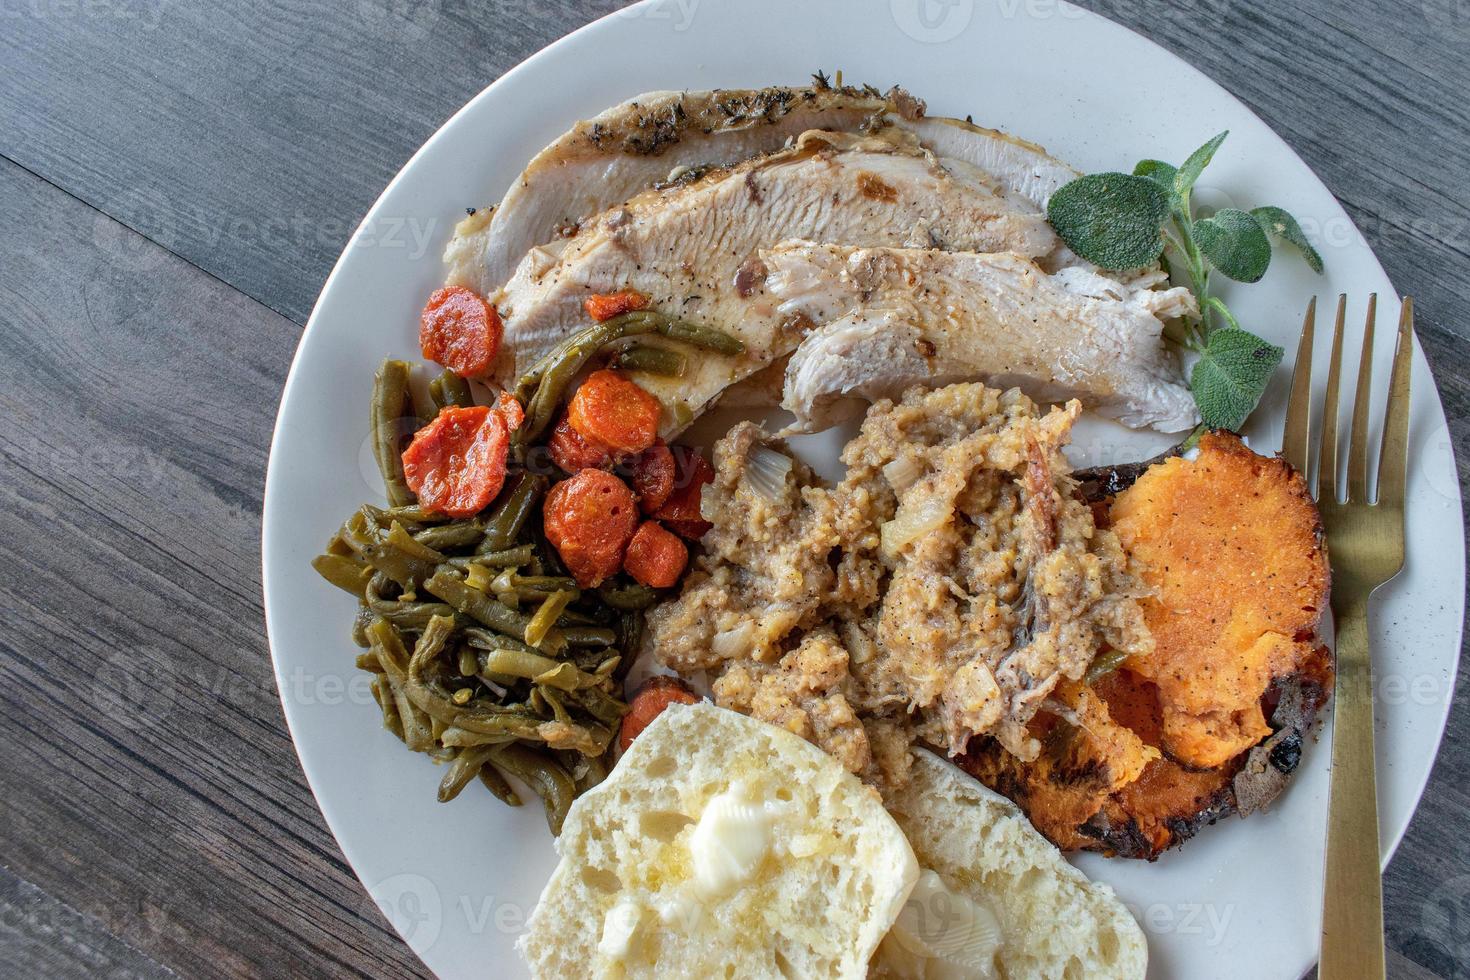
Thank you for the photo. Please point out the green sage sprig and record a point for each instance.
(1126, 221)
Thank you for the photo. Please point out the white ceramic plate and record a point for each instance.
(458, 880)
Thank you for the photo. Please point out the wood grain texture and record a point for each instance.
(151, 793)
(178, 157)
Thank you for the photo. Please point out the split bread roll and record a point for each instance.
(721, 846)
(997, 899)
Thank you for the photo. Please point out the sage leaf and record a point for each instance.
(1280, 224)
(1186, 176)
(1112, 220)
(1158, 171)
(1231, 375)
(1235, 243)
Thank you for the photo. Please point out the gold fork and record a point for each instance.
(1365, 544)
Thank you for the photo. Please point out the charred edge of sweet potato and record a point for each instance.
(1248, 783)
(1098, 484)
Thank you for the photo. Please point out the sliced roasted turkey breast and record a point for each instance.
(604, 161)
(889, 318)
(694, 249)
(628, 148)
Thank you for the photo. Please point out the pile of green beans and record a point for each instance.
(484, 654)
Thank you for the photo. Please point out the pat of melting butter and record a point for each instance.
(941, 935)
(618, 929)
(732, 838)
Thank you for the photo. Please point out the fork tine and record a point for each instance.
(1393, 460)
(1358, 446)
(1295, 438)
(1327, 458)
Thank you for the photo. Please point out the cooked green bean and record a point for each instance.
(543, 670)
(505, 558)
(543, 774)
(383, 693)
(600, 704)
(447, 584)
(589, 340)
(466, 765)
(707, 338)
(589, 636)
(1104, 664)
(483, 639)
(346, 574)
(627, 598)
(405, 569)
(630, 633)
(653, 360)
(509, 517)
(544, 621)
(406, 543)
(389, 405)
(447, 537)
(496, 784)
(456, 390)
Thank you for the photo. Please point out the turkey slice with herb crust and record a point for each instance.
(693, 249)
(889, 318)
(628, 148)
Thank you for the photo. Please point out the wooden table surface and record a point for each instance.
(178, 178)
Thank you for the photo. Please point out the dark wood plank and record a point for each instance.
(251, 138)
(149, 782)
(41, 937)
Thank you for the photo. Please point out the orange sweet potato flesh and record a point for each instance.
(1214, 721)
(1231, 544)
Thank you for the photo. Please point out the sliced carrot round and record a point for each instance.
(456, 463)
(656, 694)
(589, 520)
(609, 409)
(652, 474)
(680, 513)
(655, 557)
(512, 410)
(605, 306)
(574, 452)
(461, 331)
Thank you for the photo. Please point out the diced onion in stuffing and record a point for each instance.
(733, 644)
(913, 522)
(901, 473)
(768, 472)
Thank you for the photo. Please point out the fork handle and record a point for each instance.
(1352, 901)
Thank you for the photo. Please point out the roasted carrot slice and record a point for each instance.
(511, 409)
(655, 694)
(680, 513)
(573, 452)
(589, 520)
(609, 409)
(456, 463)
(461, 331)
(655, 557)
(605, 306)
(652, 474)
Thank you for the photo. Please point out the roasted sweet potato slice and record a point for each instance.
(1231, 544)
